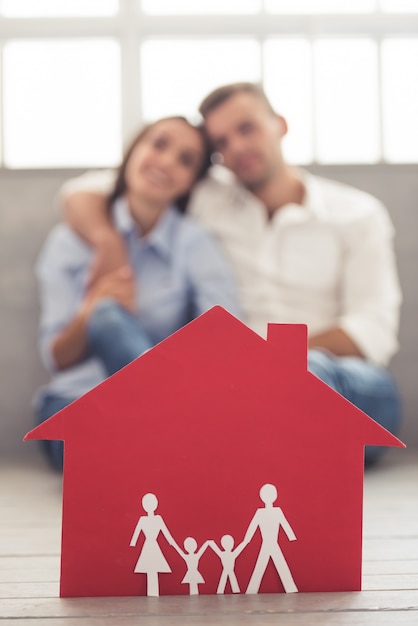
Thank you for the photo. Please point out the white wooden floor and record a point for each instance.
(30, 509)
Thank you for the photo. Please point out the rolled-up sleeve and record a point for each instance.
(371, 294)
(59, 294)
(94, 181)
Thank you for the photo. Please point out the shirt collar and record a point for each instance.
(122, 217)
(160, 237)
(314, 196)
(313, 201)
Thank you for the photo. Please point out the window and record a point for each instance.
(288, 84)
(63, 8)
(320, 6)
(78, 77)
(400, 99)
(188, 69)
(346, 101)
(61, 103)
(399, 6)
(201, 7)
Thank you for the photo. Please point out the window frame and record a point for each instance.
(131, 26)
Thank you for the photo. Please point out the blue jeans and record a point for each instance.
(370, 388)
(116, 338)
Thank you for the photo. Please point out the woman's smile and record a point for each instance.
(156, 176)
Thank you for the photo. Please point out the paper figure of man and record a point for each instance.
(269, 519)
(151, 560)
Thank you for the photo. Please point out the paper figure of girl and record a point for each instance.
(228, 557)
(151, 560)
(193, 577)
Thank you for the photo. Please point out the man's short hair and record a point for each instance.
(224, 93)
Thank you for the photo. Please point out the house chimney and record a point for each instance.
(291, 343)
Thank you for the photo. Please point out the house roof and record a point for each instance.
(218, 358)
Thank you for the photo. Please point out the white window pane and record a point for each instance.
(320, 6)
(346, 101)
(177, 75)
(193, 7)
(287, 65)
(400, 99)
(58, 8)
(61, 103)
(399, 6)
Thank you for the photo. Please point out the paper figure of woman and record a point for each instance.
(151, 560)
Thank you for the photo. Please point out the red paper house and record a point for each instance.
(215, 434)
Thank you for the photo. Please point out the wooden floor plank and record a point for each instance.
(395, 548)
(390, 582)
(376, 601)
(390, 618)
(38, 589)
(28, 567)
(404, 566)
(39, 541)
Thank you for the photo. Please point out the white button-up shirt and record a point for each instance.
(327, 263)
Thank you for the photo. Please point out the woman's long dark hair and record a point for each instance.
(119, 188)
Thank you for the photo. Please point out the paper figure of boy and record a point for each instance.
(228, 557)
(269, 519)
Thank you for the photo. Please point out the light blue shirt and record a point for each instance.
(180, 274)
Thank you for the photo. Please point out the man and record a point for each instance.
(304, 249)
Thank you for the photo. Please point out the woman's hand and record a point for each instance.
(118, 284)
(70, 346)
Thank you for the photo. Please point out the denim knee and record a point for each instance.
(320, 364)
(106, 317)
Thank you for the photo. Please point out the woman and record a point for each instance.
(176, 271)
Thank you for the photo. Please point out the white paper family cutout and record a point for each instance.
(268, 519)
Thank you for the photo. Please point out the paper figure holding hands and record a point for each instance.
(269, 519)
(228, 557)
(151, 560)
(191, 557)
